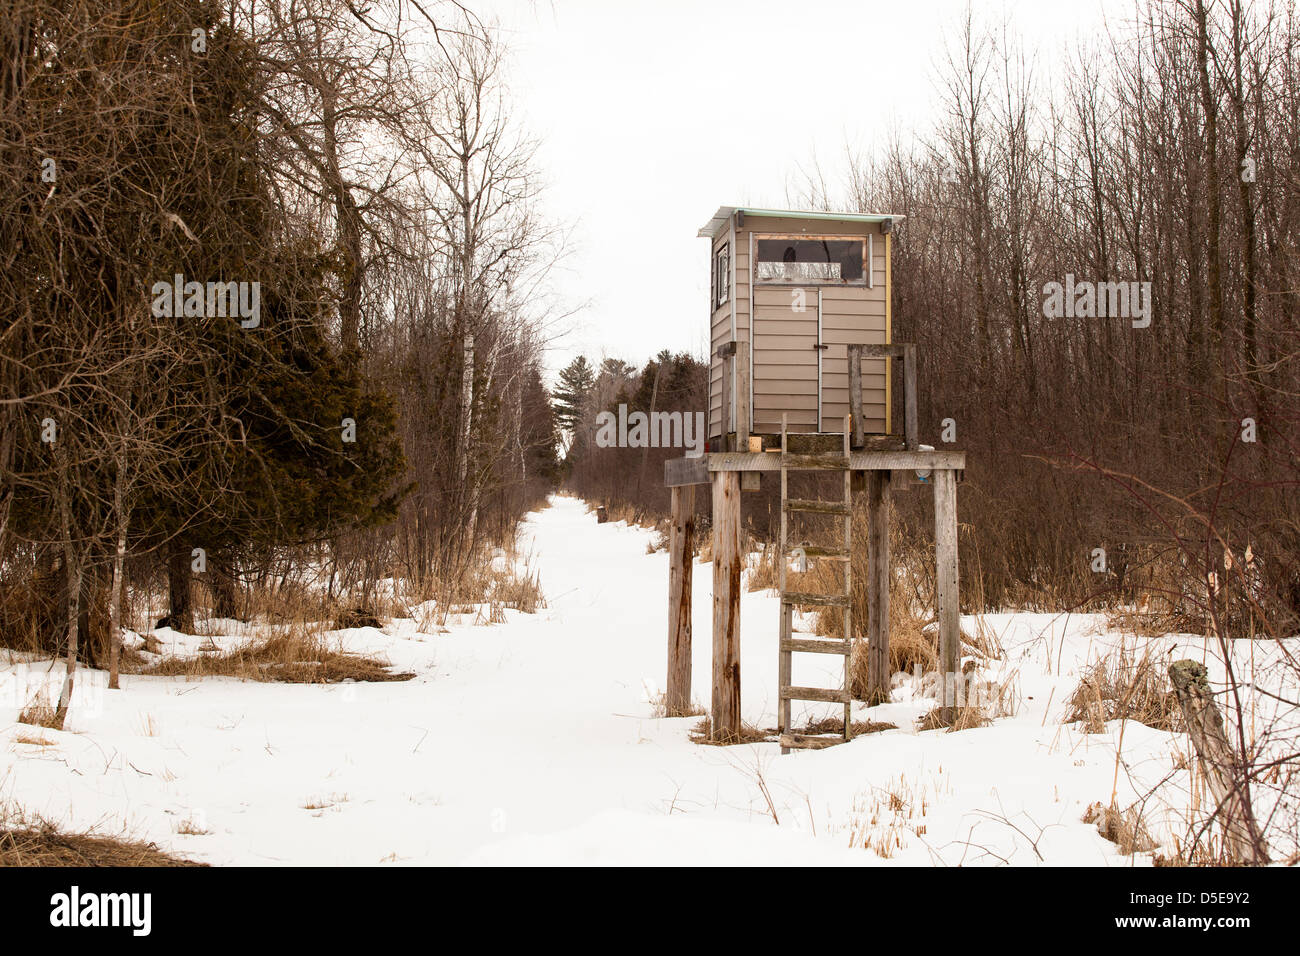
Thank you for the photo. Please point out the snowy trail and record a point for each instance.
(533, 742)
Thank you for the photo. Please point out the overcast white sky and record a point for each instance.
(646, 127)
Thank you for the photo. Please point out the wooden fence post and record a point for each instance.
(681, 558)
(1205, 726)
(945, 545)
(726, 606)
(877, 689)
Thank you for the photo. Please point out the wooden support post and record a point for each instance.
(726, 401)
(742, 396)
(878, 494)
(855, 395)
(1242, 838)
(945, 545)
(726, 605)
(681, 559)
(910, 436)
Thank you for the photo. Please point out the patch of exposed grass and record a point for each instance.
(749, 734)
(45, 845)
(291, 655)
(39, 713)
(659, 708)
(951, 719)
(835, 725)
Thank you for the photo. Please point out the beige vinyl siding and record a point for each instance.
(785, 364)
(853, 316)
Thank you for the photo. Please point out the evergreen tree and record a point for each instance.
(576, 381)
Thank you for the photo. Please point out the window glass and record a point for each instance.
(722, 276)
(810, 260)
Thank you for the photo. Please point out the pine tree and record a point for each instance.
(576, 381)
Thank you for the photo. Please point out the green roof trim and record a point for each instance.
(724, 214)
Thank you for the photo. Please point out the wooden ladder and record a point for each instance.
(790, 599)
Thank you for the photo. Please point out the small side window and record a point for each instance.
(722, 276)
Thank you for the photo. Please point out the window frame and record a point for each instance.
(720, 286)
(865, 282)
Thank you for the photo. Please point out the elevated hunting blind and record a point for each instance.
(802, 366)
(789, 293)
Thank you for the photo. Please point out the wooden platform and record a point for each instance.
(696, 471)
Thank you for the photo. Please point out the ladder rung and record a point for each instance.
(816, 647)
(817, 551)
(822, 462)
(806, 742)
(819, 507)
(817, 600)
(814, 693)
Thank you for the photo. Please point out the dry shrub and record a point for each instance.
(39, 713)
(295, 654)
(835, 725)
(1121, 686)
(33, 614)
(763, 572)
(659, 708)
(491, 584)
(749, 734)
(965, 717)
(44, 845)
(1123, 828)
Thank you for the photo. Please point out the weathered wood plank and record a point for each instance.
(814, 693)
(681, 560)
(878, 506)
(815, 600)
(855, 394)
(858, 460)
(744, 416)
(819, 551)
(949, 610)
(805, 646)
(686, 471)
(815, 506)
(726, 606)
(910, 433)
(807, 742)
(825, 462)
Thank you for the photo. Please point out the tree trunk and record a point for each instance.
(224, 589)
(181, 607)
(115, 605)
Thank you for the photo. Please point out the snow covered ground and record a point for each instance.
(534, 742)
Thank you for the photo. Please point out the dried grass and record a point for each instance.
(294, 654)
(659, 708)
(39, 713)
(749, 734)
(1121, 686)
(835, 725)
(966, 717)
(44, 845)
(1123, 828)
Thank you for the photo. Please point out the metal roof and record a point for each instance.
(724, 214)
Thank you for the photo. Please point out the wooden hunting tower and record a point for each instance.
(802, 364)
(789, 292)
